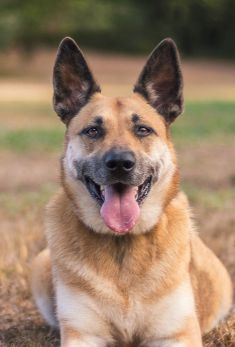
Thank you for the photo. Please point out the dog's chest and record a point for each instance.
(145, 317)
(137, 312)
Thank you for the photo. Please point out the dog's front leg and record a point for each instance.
(72, 338)
(188, 336)
(174, 343)
(184, 339)
(80, 323)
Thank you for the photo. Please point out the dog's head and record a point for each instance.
(119, 165)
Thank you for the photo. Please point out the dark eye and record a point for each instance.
(92, 132)
(142, 131)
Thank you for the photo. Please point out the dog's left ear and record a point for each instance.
(161, 82)
(72, 80)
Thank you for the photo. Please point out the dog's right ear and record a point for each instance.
(72, 80)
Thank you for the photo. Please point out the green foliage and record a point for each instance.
(209, 197)
(39, 140)
(204, 27)
(205, 119)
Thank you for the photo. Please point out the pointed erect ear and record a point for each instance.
(160, 81)
(72, 80)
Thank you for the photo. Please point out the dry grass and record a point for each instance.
(28, 179)
(224, 335)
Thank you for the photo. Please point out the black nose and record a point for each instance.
(116, 160)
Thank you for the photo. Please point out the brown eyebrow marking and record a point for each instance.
(98, 120)
(135, 118)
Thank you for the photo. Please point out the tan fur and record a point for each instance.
(42, 286)
(158, 285)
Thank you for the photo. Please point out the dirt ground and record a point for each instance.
(27, 180)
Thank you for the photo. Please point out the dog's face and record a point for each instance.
(119, 164)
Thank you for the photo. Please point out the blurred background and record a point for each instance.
(116, 37)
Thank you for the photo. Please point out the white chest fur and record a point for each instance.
(92, 316)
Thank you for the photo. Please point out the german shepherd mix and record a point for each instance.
(125, 266)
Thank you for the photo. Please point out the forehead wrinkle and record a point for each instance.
(118, 103)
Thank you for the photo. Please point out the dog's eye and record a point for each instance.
(92, 132)
(142, 131)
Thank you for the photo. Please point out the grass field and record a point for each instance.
(31, 140)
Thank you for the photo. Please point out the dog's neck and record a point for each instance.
(123, 258)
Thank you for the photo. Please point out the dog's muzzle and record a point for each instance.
(119, 183)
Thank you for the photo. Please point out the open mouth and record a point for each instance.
(120, 203)
(97, 191)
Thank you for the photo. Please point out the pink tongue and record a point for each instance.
(120, 210)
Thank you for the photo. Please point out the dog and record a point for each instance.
(124, 264)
